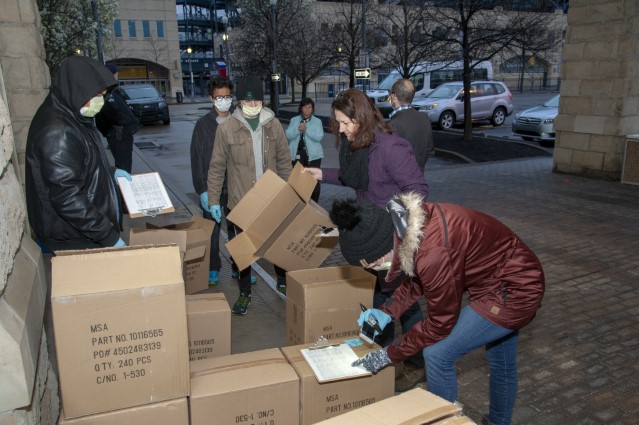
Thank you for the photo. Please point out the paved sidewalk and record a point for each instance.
(578, 359)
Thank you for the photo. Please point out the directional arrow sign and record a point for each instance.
(276, 77)
(363, 73)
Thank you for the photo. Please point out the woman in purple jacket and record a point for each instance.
(372, 160)
(378, 165)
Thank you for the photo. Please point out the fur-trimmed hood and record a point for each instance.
(404, 250)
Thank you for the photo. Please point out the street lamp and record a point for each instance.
(275, 96)
(189, 51)
(227, 54)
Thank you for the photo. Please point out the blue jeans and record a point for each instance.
(471, 332)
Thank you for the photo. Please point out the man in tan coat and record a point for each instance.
(246, 145)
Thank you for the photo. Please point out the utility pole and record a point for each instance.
(365, 81)
(98, 30)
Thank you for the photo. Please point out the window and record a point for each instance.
(117, 28)
(132, 32)
(146, 29)
(160, 29)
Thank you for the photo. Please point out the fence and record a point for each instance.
(532, 83)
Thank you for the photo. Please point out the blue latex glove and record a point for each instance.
(382, 318)
(374, 361)
(121, 173)
(204, 201)
(216, 212)
(120, 243)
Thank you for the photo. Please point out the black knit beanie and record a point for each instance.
(249, 88)
(365, 231)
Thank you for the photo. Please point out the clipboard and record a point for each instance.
(332, 361)
(145, 195)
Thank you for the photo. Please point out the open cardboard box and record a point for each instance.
(119, 321)
(281, 223)
(194, 239)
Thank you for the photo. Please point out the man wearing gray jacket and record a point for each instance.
(413, 126)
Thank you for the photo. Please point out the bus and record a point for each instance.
(428, 75)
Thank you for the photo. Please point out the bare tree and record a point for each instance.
(305, 55)
(254, 39)
(477, 34)
(405, 27)
(343, 33)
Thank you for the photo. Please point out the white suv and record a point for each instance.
(490, 100)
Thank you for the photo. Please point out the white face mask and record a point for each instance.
(95, 104)
(223, 105)
(251, 111)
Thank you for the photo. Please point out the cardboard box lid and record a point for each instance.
(94, 271)
(220, 375)
(414, 407)
(302, 183)
(328, 287)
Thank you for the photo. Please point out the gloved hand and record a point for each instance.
(216, 212)
(382, 318)
(374, 361)
(204, 201)
(120, 243)
(122, 173)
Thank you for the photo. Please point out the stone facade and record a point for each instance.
(28, 386)
(599, 104)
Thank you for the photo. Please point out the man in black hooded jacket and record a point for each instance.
(70, 187)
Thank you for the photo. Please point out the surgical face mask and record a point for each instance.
(223, 105)
(95, 104)
(252, 111)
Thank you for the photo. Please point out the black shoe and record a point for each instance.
(242, 303)
(407, 376)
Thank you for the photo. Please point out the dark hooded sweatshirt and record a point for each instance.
(71, 194)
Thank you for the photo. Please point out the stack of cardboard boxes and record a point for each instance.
(131, 346)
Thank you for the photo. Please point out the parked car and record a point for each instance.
(490, 100)
(538, 123)
(146, 103)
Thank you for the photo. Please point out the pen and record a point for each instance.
(375, 325)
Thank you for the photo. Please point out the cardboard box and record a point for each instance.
(281, 223)
(323, 401)
(119, 320)
(172, 412)
(208, 318)
(414, 407)
(251, 388)
(194, 239)
(326, 302)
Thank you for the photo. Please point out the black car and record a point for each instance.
(146, 103)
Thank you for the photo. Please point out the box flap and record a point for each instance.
(256, 199)
(205, 225)
(302, 183)
(214, 365)
(96, 271)
(196, 253)
(242, 249)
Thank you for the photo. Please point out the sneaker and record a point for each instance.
(235, 275)
(242, 303)
(281, 289)
(214, 277)
(407, 376)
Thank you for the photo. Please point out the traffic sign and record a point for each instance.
(276, 77)
(363, 73)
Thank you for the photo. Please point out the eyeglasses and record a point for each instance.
(221, 98)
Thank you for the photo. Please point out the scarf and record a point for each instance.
(353, 166)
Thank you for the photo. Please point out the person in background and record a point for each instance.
(250, 142)
(118, 124)
(444, 251)
(377, 164)
(305, 133)
(71, 194)
(410, 124)
(220, 91)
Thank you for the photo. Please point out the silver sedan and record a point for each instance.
(537, 123)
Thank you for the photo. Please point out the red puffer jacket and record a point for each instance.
(450, 250)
